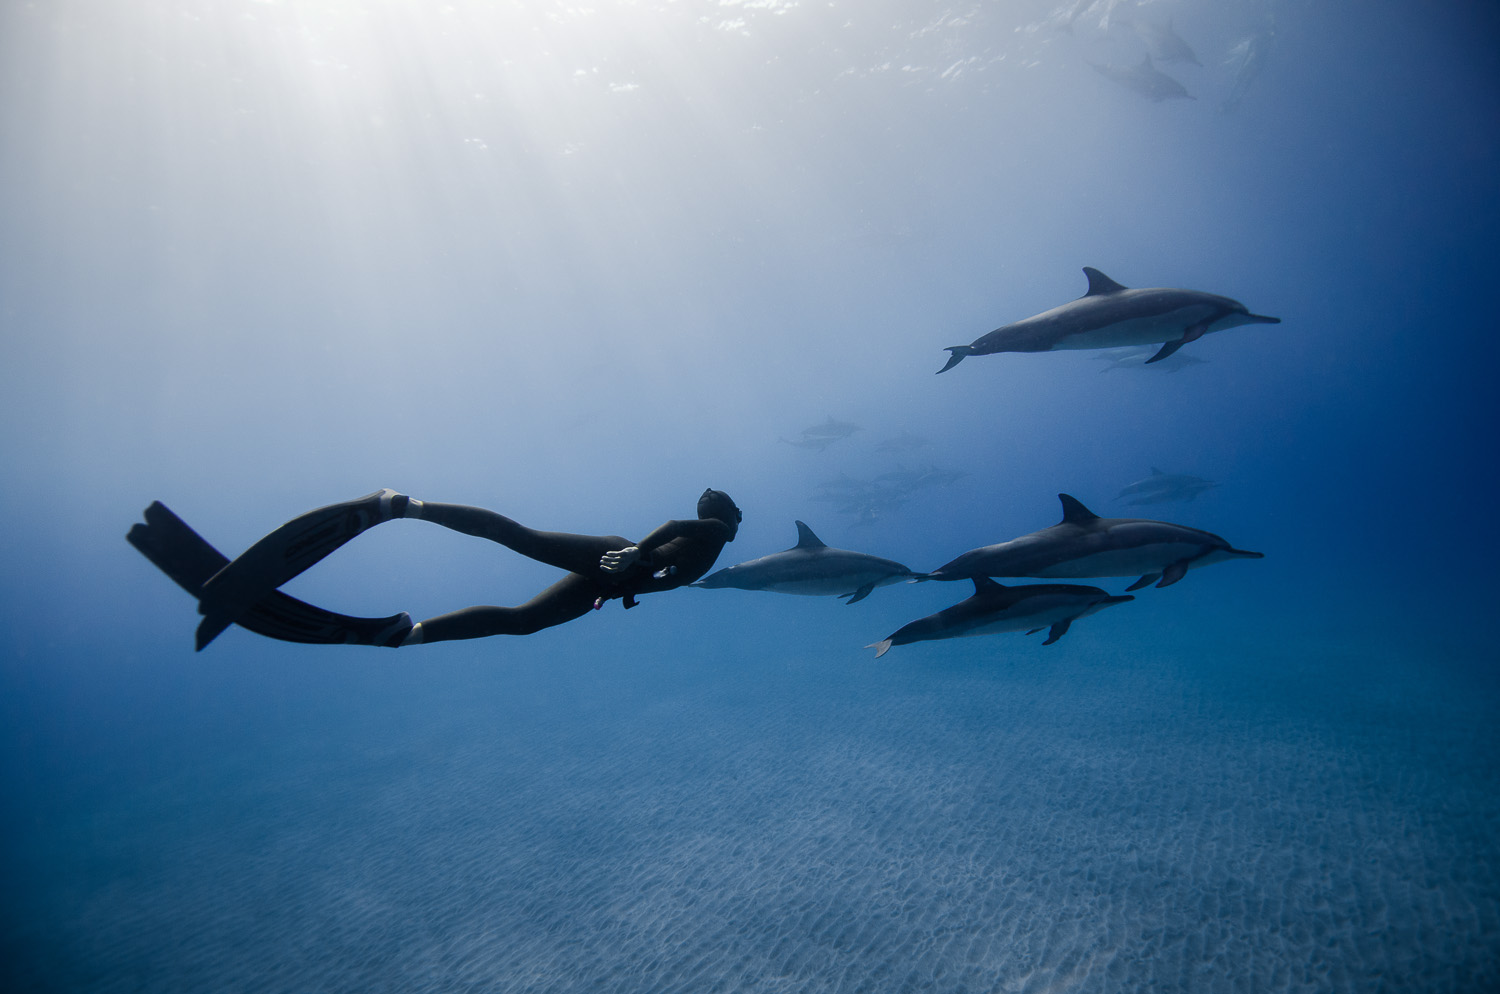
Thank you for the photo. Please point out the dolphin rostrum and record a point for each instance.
(997, 608)
(1110, 315)
(811, 568)
(1086, 545)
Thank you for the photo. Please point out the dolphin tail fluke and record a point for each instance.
(881, 647)
(959, 352)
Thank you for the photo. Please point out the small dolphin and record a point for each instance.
(1136, 357)
(1247, 60)
(831, 429)
(811, 568)
(1110, 315)
(996, 608)
(1145, 79)
(1160, 488)
(1086, 545)
(1162, 40)
(818, 443)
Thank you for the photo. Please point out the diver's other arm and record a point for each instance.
(622, 559)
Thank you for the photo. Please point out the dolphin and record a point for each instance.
(1109, 316)
(997, 608)
(1247, 59)
(1162, 40)
(1086, 545)
(1159, 488)
(811, 568)
(831, 429)
(1145, 79)
(1136, 357)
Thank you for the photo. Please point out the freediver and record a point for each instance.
(600, 567)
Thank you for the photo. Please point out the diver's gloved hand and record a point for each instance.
(614, 562)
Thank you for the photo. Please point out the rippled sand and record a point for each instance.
(963, 819)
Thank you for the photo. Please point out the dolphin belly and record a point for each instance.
(822, 586)
(1042, 611)
(1138, 560)
(1147, 329)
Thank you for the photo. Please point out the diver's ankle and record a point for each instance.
(398, 505)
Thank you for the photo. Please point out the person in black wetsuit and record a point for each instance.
(600, 567)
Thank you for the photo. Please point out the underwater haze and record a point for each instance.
(575, 263)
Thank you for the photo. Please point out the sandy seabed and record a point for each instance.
(957, 820)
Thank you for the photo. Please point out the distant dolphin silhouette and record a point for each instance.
(1145, 79)
(1160, 488)
(996, 608)
(831, 429)
(1162, 40)
(812, 568)
(1086, 545)
(1110, 315)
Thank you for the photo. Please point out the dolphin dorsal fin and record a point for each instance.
(1099, 283)
(1074, 513)
(983, 584)
(806, 539)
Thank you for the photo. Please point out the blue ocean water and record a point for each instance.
(576, 263)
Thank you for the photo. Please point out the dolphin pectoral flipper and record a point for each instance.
(1174, 572)
(1166, 350)
(1144, 581)
(859, 594)
(1058, 631)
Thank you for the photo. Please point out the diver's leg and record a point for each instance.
(571, 597)
(574, 553)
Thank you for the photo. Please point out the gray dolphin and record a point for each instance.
(1247, 59)
(1160, 488)
(996, 608)
(831, 429)
(812, 568)
(1145, 79)
(1162, 40)
(1086, 545)
(1111, 315)
(1136, 357)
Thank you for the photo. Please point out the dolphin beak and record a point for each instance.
(1262, 319)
